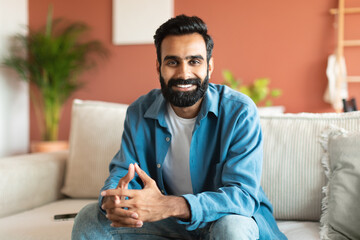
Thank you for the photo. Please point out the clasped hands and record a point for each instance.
(144, 205)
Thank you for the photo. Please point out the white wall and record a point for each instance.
(14, 98)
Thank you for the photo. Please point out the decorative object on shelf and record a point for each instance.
(349, 106)
(258, 91)
(337, 89)
(51, 60)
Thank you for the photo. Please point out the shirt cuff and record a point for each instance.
(195, 210)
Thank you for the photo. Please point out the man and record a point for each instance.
(190, 161)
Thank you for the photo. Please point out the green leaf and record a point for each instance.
(276, 92)
(228, 76)
(230, 80)
(245, 90)
(261, 82)
(268, 103)
(49, 21)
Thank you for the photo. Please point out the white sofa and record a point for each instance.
(35, 187)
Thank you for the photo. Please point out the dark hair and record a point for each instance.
(181, 25)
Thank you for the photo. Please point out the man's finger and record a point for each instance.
(124, 181)
(131, 223)
(109, 202)
(118, 214)
(142, 174)
(117, 192)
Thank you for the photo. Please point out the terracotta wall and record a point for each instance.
(286, 41)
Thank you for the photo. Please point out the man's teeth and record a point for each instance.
(184, 86)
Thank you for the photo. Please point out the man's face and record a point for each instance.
(184, 72)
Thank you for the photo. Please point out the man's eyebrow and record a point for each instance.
(171, 57)
(195, 56)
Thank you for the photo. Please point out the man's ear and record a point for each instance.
(157, 67)
(211, 66)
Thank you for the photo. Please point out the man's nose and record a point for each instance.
(183, 71)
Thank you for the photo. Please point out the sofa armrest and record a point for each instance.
(30, 180)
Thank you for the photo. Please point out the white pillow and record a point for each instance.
(95, 138)
(341, 160)
(292, 172)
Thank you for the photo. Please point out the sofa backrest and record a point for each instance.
(292, 173)
(293, 176)
(95, 137)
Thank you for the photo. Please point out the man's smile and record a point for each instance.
(184, 87)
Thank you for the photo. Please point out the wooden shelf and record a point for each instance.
(353, 79)
(351, 43)
(346, 10)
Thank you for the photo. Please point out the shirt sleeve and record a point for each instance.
(119, 165)
(240, 176)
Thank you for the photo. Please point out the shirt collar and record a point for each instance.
(210, 103)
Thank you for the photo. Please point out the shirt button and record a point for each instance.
(162, 190)
(167, 139)
(159, 165)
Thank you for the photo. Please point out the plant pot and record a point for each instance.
(48, 146)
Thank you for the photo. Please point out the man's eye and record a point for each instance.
(195, 62)
(171, 63)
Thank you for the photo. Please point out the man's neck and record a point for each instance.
(188, 112)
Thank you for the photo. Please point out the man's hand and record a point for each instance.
(148, 203)
(118, 216)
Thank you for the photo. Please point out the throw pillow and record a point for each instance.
(95, 138)
(341, 209)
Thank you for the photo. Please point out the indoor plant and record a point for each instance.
(51, 59)
(258, 91)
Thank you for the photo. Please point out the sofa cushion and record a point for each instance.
(39, 223)
(341, 216)
(292, 173)
(30, 180)
(300, 230)
(96, 131)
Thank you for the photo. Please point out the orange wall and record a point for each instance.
(286, 41)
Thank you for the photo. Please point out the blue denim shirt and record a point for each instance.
(225, 156)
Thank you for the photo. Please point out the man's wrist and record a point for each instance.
(178, 207)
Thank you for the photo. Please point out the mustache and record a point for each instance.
(176, 81)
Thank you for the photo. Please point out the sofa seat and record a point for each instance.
(300, 230)
(38, 223)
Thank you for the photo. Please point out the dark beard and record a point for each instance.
(184, 99)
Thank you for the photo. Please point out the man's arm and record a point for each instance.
(119, 165)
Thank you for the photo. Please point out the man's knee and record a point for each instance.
(87, 214)
(234, 227)
(89, 222)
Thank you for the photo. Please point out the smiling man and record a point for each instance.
(190, 161)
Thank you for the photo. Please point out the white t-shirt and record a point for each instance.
(176, 169)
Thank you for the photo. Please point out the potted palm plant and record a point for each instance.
(51, 59)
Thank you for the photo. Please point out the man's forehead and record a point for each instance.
(183, 46)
